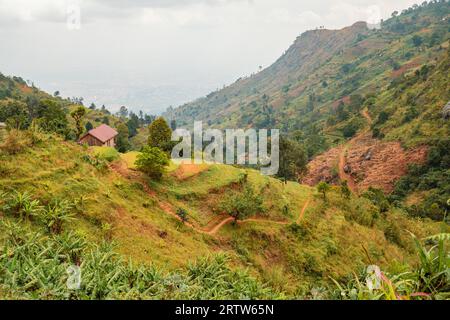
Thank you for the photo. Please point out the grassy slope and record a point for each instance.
(372, 58)
(329, 240)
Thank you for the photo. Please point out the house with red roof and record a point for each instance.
(102, 136)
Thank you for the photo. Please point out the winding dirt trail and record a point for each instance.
(125, 172)
(343, 176)
(302, 213)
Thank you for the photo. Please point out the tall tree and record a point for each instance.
(51, 117)
(15, 113)
(173, 125)
(133, 124)
(122, 142)
(78, 115)
(89, 126)
(160, 135)
(293, 159)
(123, 112)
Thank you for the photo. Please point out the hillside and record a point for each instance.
(367, 101)
(296, 244)
(304, 88)
(362, 130)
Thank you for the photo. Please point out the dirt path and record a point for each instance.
(342, 174)
(366, 115)
(342, 157)
(302, 213)
(125, 172)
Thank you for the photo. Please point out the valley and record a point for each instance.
(364, 180)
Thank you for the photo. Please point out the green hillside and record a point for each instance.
(295, 244)
(326, 77)
(142, 227)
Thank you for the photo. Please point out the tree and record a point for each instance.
(51, 117)
(152, 161)
(56, 94)
(173, 125)
(243, 204)
(417, 40)
(345, 190)
(182, 213)
(105, 120)
(160, 135)
(122, 142)
(350, 129)
(104, 110)
(341, 113)
(89, 126)
(78, 115)
(123, 112)
(92, 106)
(293, 159)
(133, 124)
(323, 188)
(15, 113)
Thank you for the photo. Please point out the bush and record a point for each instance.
(182, 213)
(243, 204)
(152, 161)
(350, 129)
(36, 268)
(15, 142)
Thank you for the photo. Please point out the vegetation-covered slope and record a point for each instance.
(297, 241)
(327, 76)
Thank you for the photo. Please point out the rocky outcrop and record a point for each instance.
(446, 111)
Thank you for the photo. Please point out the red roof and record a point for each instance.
(103, 133)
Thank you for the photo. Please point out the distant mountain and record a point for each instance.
(318, 87)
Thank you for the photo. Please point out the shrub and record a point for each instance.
(15, 142)
(152, 161)
(56, 214)
(323, 188)
(243, 204)
(182, 213)
(36, 268)
(21, 205)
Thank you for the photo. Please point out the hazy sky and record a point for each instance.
(149, 54)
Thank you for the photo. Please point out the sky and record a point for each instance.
(152, 54)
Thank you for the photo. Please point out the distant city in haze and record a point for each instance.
(152, 99)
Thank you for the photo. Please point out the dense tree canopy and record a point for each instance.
(160, 135)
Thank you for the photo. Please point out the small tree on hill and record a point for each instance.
(51, 117)
(15, 113)
(345, 190)
(78, 115)
(89, 126)
(323, 188)
(182, 213)
(122, 142)
(241, 205)
(293, 159)
(160, 135)
(152, 161)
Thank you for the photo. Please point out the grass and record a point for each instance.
(327, 242)
(130, 158)
(106, 153)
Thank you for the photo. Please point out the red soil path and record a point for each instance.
(121, 169)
